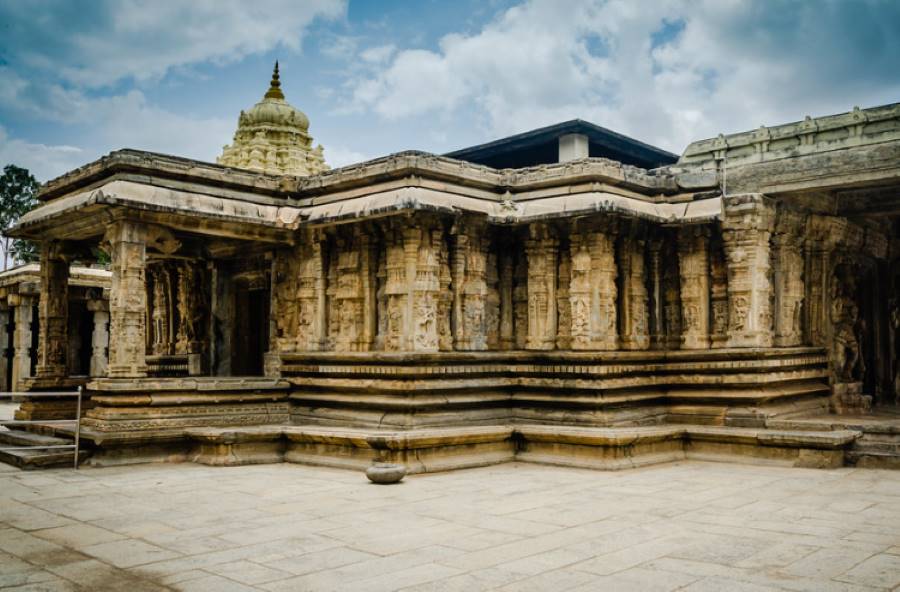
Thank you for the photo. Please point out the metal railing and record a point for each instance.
(12, 396)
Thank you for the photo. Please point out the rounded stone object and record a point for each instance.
(385, 473)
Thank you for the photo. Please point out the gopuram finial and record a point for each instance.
(274, 91)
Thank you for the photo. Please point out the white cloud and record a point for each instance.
(121, 121)
(144, 39)
(338, 156)
(378, 54)
(666, 73)
(43, 161)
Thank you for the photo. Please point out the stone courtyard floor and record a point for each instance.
(686, 526)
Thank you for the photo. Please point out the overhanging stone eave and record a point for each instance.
(87, 214)
(413, 199)
(138, 162)
(861, 166)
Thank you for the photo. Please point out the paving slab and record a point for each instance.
(684, 526)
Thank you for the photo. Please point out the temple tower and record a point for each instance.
(273, 137)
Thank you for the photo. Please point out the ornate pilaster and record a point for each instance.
(693, 259)
(635, 332)
(309, 295)
(520, 300)
(193, 306)
(563, 300)
(367, 269)
(657, 292)
(53, 313)
(99, 337)
(161, 307)
(507, 316)
(414, 267)
(822, 233)
(787, 268)
(127, 245)
(542, 252)
(492, 306)
(4, 346)
(346, 294)
(671, 284)
(468, 264)
(23, 308)
(747, 225)
(718, 292)
(592, 290)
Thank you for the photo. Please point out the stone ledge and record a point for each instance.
(441, 449)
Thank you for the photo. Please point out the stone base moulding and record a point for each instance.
(434, 450)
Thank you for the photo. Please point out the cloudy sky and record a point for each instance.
(79, 79)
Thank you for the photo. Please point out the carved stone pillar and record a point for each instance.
(468, 266)
(193, 308)
(747, 225)
(160, 297)
(635, 332)
(99, 337)
(23, 307)
(507, 316)
(592, 290)
(414, 266)
(718, 292)
(542, 253)
(563, 300)
(305, 300)
(4, 347)
(127, 244)
(693, 259)
(671, 282)
(426, 286)
(787, 266)
(492, 302)
(657, 292)
(53, 313)
(520, 300)
(368, 265)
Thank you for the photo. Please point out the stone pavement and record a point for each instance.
(686, 526)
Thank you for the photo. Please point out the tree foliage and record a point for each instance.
(18, 191)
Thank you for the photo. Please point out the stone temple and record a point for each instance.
(567, 295)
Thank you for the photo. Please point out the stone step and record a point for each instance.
(873, 459)
(16, 437)
(35, 458)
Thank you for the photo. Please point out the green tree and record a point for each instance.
(18, 190)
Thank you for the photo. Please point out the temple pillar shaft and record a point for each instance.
(468, 266)
(790, 291)
(593, 292)
(693, 259)
(747, 227)
(819, 247)
(128, 300)
(368, 263)
(635, 335)
(657, 303)
(4, 347)
(542, 252)
(507, 333)
(718, 293)
(99, 337)
(23, 308)
(53, 313)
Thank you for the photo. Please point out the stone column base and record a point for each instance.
(847, 398)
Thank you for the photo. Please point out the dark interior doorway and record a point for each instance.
(251, 330)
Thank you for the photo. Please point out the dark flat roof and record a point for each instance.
(541, 146)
